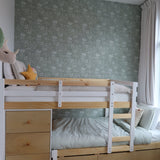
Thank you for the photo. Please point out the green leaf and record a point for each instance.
(1, 38)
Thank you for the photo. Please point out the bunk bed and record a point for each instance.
(35, 106)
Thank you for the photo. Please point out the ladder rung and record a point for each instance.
(122, 104)
(121, 139)
(122, 116)
(121, 148)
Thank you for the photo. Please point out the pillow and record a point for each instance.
(150, 117)
(30, 74)
(139, 113)
(18, 67)
(7, 70)
(121, 89)
(158, 126)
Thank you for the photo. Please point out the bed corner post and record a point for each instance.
(54, 154)
(132, 128)
(2, 116)
(110, 123)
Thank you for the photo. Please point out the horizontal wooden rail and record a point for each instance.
(54, 82)
(121, 139)
(99, 150)
(122, 116)
(120, 148)
(65, 105)
(155, 145)
(88, 151)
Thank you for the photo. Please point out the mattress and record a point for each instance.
(155, 135)
(70, 94)
(90, 132)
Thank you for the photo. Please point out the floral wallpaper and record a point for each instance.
(80, 39)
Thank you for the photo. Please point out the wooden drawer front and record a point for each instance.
(29, 157)
(91, 157)
(27, 143)
(28, 121)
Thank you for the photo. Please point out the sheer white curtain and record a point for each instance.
(157, 56)
(149, 72)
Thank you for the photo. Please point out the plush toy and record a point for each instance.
(5, 54)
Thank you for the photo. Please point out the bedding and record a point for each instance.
(139, 113)
(8, 73)
(155, 135)
(18, 67)
(150, 116)
(91, 132)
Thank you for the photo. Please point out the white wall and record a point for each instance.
(7, 9)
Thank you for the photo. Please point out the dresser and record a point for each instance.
(28, 135)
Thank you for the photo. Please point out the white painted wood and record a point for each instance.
(110, 123)
(15, 93)
(2, 121)
(125, 83)
(51, 134)
(54, 154)
(60, 93)
(19, 110)
(1, 72)
(132, 128)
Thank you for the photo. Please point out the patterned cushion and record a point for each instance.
(139, 113)
(18, 67)
(7, 71)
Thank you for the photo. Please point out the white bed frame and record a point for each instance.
(61, 94)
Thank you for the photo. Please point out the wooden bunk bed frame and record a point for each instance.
(145, 152)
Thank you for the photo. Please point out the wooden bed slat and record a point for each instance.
(122, 104)
(54, 82)
(140, 155)
(81, 151)
(101, 150)
(147, 146)
(121, 139)
(65, 105)
(122, 116)
(85, 151)
(120, 148)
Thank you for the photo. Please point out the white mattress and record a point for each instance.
(50, 94)
(155, 135)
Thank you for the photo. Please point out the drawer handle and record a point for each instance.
(28, 122)
(27, 144)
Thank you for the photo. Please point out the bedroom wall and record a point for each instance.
(80, 39)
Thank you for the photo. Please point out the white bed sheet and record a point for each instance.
(155, 135)
(121, 96)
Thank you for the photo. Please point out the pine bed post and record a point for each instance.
(2, 116)
(110, 123)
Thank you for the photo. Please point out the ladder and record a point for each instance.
(131, 116)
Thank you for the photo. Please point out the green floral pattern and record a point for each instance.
(79, 38)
